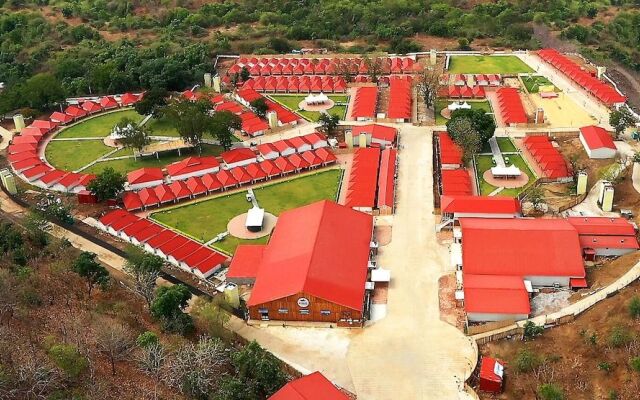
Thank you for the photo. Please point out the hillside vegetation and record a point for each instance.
(82, 46)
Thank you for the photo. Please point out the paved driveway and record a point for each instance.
(412, 354)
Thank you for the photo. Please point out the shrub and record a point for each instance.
(604, 366)
(634, 307)
(619, 336)
(531, 330)
(550, 391)
(635, 364)
(68, 359)
(526, 360)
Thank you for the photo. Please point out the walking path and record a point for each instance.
(6, 138)
(495, 151)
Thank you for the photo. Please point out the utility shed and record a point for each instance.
(491, 375)
(597, 142)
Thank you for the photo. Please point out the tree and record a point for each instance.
(152, 102)
(132, 135)
(464, 134)
(43, 91)
(68, 358)
(328, 123)
(634, 307)
(232, 388)
(145, 269)
(107, 184)
(114, 340)
(482, 122)
(550, 391)
(223, 125)
(374, 67)
(196, 368)
(531, 330)
(190, 118)
(526, 360)
(260, 107)
(259, 369)
(536, 196)
(621, 119)
(211, 315)
(245, 74)
(428, 86)
(147, 338)
(634, 363)
(92, 271)
(168, 307)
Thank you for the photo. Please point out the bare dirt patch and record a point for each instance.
(449, 310)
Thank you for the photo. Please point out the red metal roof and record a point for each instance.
(255, 171)
(226, 179)
(39, 169)
(180, 190)
(487, 369)
(521, 247)
(602, 226)
(70, 180)
(311, 387)
(380, 132)
(314, 138)
(209, 263)
(608, 242)
(60, 117)
(144, 175)
(112, 216)
(240, 175)
(75, 112)
(148, 197)
(108, 102)
(597, 138)
(129, 98)
(186, 250)
(321, 249)
(19, 148)
(511, 106)
(26, 163)
(548, 157)
(161, 238)
(246, 261)
(282, 145)
(297, 161)
(298, 141)
(137, 226)
(15, 157)
(495, 294)
(270, 168)
(450, 152)
(164, 193)
(173, 245)
(148, 233)
(363, 179)
(91, 106)
(44, 124)
(480, 204)
(284, 165)
(123, 222)
(266, 148)
(211, 182)
(386, 178)
(456, 182)
(364, 104)
(400, 98)
(195, 186)
(52, 176)
(325, 155)
(236, 155)
(131, 201)
(192, 164)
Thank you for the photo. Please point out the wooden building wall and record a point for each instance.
(337, 314)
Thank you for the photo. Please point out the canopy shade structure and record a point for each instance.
(509, 171)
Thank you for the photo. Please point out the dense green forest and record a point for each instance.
(97, 46)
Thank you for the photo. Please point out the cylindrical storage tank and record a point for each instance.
(232, 295)
(18, 121)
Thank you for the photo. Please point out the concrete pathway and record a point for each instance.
(495, 151)
(412, 354)
(6, 138)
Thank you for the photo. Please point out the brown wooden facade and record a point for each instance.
(295, 308)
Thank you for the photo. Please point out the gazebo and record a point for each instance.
(313, 99)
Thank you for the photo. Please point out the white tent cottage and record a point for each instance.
(314, 100)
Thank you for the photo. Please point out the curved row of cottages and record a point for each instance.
(24, 152)
(199, 176)
(321, 66)
(600, 90)
(294, 84)
(176, 249)
(471, 79)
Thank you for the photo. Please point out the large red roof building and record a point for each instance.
(314, 267)
(311, 387)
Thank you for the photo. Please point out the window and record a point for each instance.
(263, 310)
(304, 312)
(283, 310)
(325, 312)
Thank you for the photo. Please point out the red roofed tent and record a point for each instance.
(61, 118)
(75, 112)
(91, 107)
(131, 201)
(108, 102)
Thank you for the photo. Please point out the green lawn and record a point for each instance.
(162, 127)
(99, 126)
(532, 83)
(129, 164)
(475, 105)
(506, 145)
(293, 101)
(487, 65)
(206, 219)
(485, 162)
(71, 155)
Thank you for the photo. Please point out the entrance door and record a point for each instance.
(264, 314)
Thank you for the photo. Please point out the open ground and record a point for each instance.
(487, 65)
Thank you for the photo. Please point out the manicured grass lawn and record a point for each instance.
(485, 162)
(506, 145)
(99, 126)
(487, 65)
(129, 164)
(162, 127)
(532, 83)
(444, 103)
(208, 218)
(71, 155)
(293, 101)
